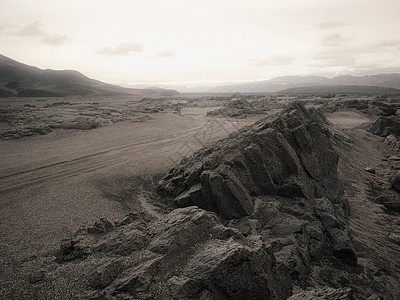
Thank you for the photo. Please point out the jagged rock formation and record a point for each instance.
(269, 205)
(188, 254)
(290, 155)
(385, 126)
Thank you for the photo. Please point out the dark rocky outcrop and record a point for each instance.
(384, 126)
(190, 255)
(290, 155)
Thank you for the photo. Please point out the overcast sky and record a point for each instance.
(201, 41)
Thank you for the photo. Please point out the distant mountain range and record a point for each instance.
(20, 80)
(340, 89)
(370, 84)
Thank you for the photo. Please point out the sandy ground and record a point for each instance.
(50, 185)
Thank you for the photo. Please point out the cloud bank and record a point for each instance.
(122, 49)
(34, 30)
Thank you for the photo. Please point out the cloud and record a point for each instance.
(123, 49)
(334, 40)
(275, 60)
(32, 29)
(166, 53)
(329, 25)
(55, 39)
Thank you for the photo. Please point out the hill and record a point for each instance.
(21, 80)
(341, 89)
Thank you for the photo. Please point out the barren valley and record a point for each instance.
(139, 198)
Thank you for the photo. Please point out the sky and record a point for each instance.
(201, 42)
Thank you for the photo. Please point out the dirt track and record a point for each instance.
(50, 185)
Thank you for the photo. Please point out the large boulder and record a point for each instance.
(290, 155)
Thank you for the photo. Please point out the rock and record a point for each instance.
(73, 248)
(391, 140)
(101, 226)
(223, 233)
(128, 219)
(324, 294)
(370, 170)
(285, 229)
(343, 247)
(245, 225)
(395, 181)
(43, 130)
(189, 197)
(36, 277)
(394, 238)
(317, 243)
(253, 273)
(336, 227)
(384, 126)
(134, 281)
(123, 243)
(289, 155)
(181, 227)
(290, 256)
(230, 196)
(104, 275)
(381, 199)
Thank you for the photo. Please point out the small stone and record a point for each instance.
(36, 277)
(381, 199)
(370, 170)
(394, 238)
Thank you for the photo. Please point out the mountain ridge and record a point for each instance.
(281, 83)
(340, 89)
(21, 80)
